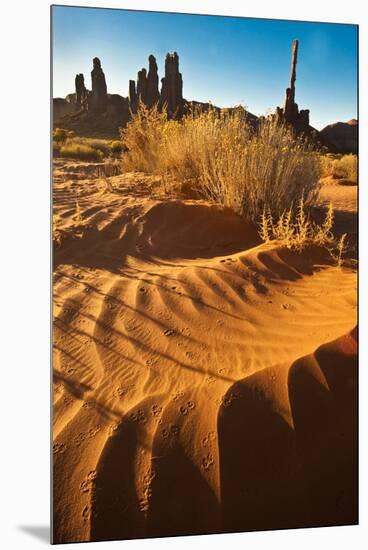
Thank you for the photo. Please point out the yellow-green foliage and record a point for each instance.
(340, 166)
(220, 156)
(116, 147)
(102, 145)
(59, 135)
(80, 151)
(66, 144)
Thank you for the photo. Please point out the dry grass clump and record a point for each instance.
(295, 230)
(80, 151)
(143, 138)
(340, 166)
(66, 144)
(224, 159)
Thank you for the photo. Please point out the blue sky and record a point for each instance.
(225, 60)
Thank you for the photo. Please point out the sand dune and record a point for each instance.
(203, 381)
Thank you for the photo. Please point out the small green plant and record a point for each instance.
(60, 135)
(116, 147)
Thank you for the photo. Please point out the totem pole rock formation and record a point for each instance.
(133, 101)
(153, 95)
(172, 86)
(142, 86)
(290, 112)
(81, 91)
(146, 90)
(98, 97)
(290, 107)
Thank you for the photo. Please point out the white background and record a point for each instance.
(25, 271)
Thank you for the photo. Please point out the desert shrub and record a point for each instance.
(346, 167)
(224, 159)
(102, 145)
(81, 152)
(340, 166)
(67, 143)
(116, 147)
(326, 164)
(295, 230)
(60, 135)
(143, 138)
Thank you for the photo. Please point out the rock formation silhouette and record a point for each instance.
(81, 91)
(116, 110)
(153, 95)
(172, 86)
(142, 86)
(98, 97)
(290, 113)
(133, 100)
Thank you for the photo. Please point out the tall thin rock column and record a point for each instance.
(132, 96)
(153, 94)
(80, 90)
(290, 107)
(142, 86)
(99, 89)
(172, 86)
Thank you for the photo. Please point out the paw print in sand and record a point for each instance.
(207, 462)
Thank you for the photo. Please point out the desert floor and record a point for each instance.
(203, 381)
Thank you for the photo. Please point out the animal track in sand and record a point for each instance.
(208, 439)
(152, 361)
(87, 485)
(82, 436)
(156, 410)
(121, 391)
(172, 430)
(58, 448)
(184, 409)
(288, 307)
(177, 395)
(138, 416)
(207, 462)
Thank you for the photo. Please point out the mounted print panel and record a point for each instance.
(204, 179)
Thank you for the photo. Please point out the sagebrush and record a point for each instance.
(340, 166)
(224, 159)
